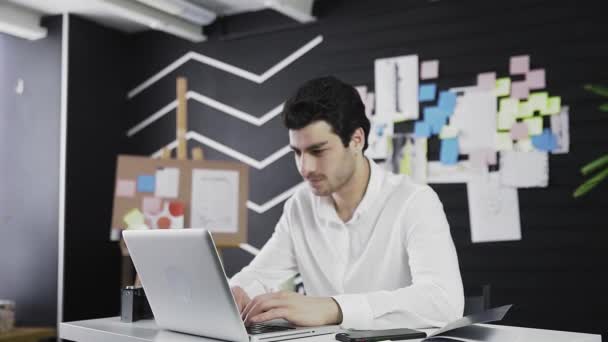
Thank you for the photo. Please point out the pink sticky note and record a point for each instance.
(487, 80)
(520, 90)
(482, 157)
(519, 65)
(519, 131)
(491, 155)
(429, 69)
(152, 205)
(125, 188)
(536, 78)
(478, 159)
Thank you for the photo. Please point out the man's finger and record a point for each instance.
(265, 305)
(255, 303)
(270, 315)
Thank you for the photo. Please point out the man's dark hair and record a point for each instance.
(330, 100)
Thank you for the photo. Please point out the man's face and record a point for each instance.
(321, 158)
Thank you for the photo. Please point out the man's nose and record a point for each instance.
(307, 165)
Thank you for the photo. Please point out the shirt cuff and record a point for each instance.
(356, 311)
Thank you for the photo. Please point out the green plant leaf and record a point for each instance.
(590, 183)
(604, 107)
(594, 165)
(597, 89)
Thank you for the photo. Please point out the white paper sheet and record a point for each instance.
(368, 100)
(380, 133)
(493, 209)
(215, 200)
(475, 118)
(560, 126)
(524, 169)
(167, 182)
(439, 173)
(396, 82)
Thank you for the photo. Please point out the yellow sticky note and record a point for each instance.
(503, 86)
(554, 106)
(524, 110)
(505, 121)
(508, 105)
(503, 141)
(535, 125)
(405, 166)
(538, 101)
(524, 145)
(134, 219)
(448, 132)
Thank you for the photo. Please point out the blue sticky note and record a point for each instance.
(427, 92)
(447, 102)
(546, 141)
(145, 183)
(422, 129)
(436, 119)
(448, 153)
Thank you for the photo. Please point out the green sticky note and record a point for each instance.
(503, 86)
(554, 106)
(134, 219)
(538, 101)
(535, 125)
(504, 141)
(524, 110)
(508, 105)
(448, 132)
(505, 121)
(524, 145)
(405, 166)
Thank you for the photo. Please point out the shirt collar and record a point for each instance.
(376, 177)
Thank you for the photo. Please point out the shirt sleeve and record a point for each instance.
(435, 296)
(273, 265)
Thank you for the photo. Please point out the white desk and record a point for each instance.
(112, 329)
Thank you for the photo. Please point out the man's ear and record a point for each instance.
(357, 139)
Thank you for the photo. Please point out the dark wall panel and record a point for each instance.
(29, 173)
(95, 109)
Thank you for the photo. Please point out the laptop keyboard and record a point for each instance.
(260, 328)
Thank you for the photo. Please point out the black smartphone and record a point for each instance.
(379, 335)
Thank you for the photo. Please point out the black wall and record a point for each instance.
(554, 275)
(95, 111)
(29, 173)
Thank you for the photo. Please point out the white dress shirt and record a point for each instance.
(393, 264)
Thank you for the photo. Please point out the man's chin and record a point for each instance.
(319, 191)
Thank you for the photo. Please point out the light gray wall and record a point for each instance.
(29, 173)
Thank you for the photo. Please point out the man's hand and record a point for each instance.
(296, 308)
(241, 297)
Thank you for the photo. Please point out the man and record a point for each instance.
(374, 249)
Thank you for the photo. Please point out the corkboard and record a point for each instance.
(130, 167)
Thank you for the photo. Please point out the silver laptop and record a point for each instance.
(188, 291)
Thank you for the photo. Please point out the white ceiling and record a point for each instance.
(98, 12)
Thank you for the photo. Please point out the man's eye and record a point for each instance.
(297, 153)
(316, 152)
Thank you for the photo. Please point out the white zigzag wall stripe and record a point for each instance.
(226, 67)
(150, 119)
(249, 248)
(239, 114)
(276, 200)
(229, 151)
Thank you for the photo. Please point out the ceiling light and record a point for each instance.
(21, 22)
(159, 20)
(183, 9)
